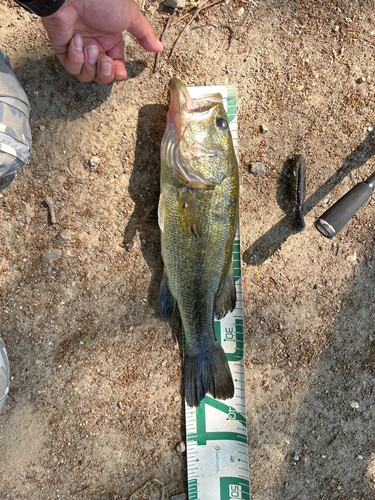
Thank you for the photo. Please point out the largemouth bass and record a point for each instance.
(198, 213)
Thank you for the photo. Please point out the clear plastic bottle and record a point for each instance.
(4, 374)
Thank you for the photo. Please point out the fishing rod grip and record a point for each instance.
(335, 218)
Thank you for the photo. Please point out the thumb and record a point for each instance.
(141, 29)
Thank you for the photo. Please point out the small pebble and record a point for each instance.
(120, 405)
(51, 255)
(181, 496)
(263, 129)
(180, 447)
(95, 161)
(129, 246)
(361, 79)
(352, 258)
(354, 404)
(175, 4)
(65, 235)
(42, 128)
(258, 168)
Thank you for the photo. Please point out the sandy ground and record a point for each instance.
(97, 402)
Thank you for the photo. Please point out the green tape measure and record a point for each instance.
(216, 435)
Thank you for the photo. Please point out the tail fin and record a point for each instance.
(207, 372)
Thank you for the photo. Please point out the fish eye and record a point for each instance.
(221, 123)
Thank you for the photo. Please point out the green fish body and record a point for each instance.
(198, 213)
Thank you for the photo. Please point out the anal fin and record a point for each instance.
(226, 298)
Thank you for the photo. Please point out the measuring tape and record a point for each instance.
(216, 435)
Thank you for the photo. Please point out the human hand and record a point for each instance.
(87, 37)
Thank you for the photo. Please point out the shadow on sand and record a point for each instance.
(334, 435)
(144, 189)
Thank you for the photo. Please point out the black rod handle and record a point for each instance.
(335, 218)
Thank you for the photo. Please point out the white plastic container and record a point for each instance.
(4, 374)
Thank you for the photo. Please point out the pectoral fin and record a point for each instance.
(189, 215)
(167, 303)
(226, 299)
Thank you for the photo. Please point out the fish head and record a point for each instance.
(197, 142)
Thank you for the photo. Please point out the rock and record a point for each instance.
(263, 129)
(95, 161)
(65, 235)
(181, 496)
(258, 168)
(42, 128)
(180, 447)
(175, 4)
(129, 246)
(361, 79)
(51, 255)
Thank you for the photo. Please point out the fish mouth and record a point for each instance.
(179, 96)
(183, 106)
(183, 111)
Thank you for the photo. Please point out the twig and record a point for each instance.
(171, 17)
(79, 491)
(69, 167)
(11, 395)
(105, 376)
(48, 201)
(163, 486)
(189, 22)
(204, 26)
(274, 281)
(188, 14)
(180, 35)
(85, 467)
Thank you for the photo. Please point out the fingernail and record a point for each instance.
(78, 42)
(106, 66)
(160, 44)
(92, 53)
(119, 77)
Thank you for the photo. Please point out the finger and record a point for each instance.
(89, 68)
(75, 58)
(105, 71)
(117, 54)
(120, 71)
(117, 51)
